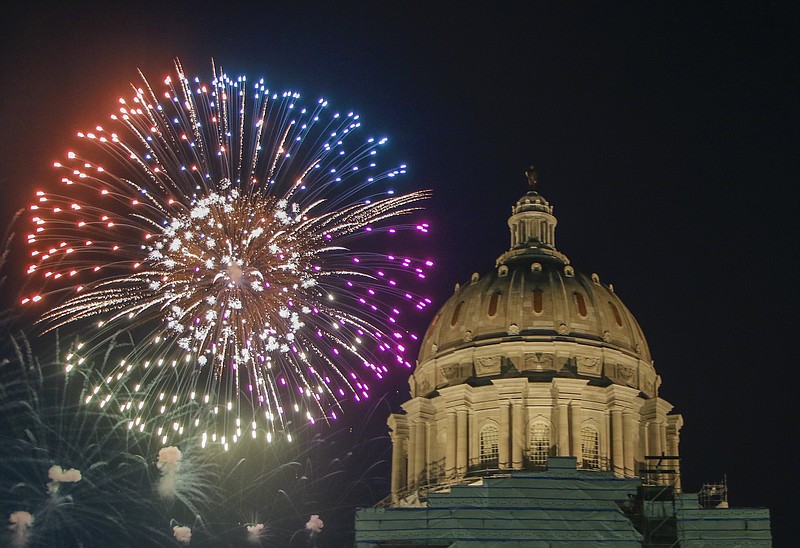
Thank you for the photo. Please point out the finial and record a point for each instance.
(533, 176)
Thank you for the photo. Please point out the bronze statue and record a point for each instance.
(532, 176)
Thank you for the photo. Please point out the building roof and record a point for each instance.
(561, 506)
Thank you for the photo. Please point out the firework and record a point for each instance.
(329, 472)
(71, 476)
(231, 232)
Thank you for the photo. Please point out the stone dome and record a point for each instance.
(534, 314)
(530, 360)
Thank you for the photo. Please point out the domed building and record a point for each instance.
(535, 420)
(531, 359)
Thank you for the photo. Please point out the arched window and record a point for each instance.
(456, 313)
(537, 300)
(493, 303)
(539, 444)
(581, 303)
(590, 447)
(489, 446)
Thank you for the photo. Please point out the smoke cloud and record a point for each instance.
(21, 521)
(254, 532)
(58, 476)
(182, 534)
(56, 473)
(314, 524)
(169, 463)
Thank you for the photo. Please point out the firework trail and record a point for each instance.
(75, 475)
(233, 231)
(325, 472)
(70, 476)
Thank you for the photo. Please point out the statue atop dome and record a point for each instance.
(533, 177)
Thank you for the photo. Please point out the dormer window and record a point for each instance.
(580, 302)
(614, 310)
(456, 314)
(537, 301)
(493, 303)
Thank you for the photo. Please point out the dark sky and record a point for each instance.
(665, 134)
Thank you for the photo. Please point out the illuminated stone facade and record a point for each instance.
(535, 420)
(529, 360)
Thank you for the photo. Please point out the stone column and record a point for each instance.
(517, 435)
(617, 448)
(563, 430)
(653, 439)
(398, 465)
(674, 424)
(419, 451)
(411, 462)
(461, 443)
(504, 442)
(672, 450)
(450, 458)
(629, 429)
(672, 446)
(575, 431)
(605, 442)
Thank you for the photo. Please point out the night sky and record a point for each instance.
(665, 135)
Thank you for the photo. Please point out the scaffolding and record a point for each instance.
(714, 495)
(654, 508)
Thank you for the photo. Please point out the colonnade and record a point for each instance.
(437, 440)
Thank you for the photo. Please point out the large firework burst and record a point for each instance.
(221, 224)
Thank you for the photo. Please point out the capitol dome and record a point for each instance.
(534, 299)
(529, 360)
